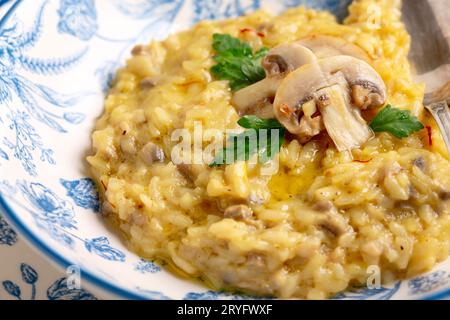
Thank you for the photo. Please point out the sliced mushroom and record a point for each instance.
(279, 61)
(343, 122)
(286, 58)
(328, 82)
(327, 46)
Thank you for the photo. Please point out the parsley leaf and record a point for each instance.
(236, 61)
(256, 139)
(253, 122)
(399, 123)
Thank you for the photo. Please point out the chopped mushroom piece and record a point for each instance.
(311, 124)
(279, 61)
(419, 162)
(332, 227)
(327, 46)
(151, 153)
(323, 205)
(148, 83)
(186, 171)
(140, 50)
(365, 96)
(332, 222)
(444, 195)
(256, 261)
(137, 218)
(329, 219)
(327, 82)
(238, 212)
(309, 127)
(106, 208)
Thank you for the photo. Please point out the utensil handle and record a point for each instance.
(441, 113)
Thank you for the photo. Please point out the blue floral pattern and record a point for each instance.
(78, 18)
(216, 295)
(101, 247)
(3, 154)
(7, 235)
(152, 295)
(219, 9)
(56, 216)
(53, 209)
(13, 289)
(382, 293)
(144, 9)
(29, 276)
(338, 7)
(53, 214)
(145, 266)
(27, 140)
(13, 57)
(83, 192)
(105, 74)
(59, 290)
(427, 283)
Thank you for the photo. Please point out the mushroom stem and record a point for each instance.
(343, 122)
(248, 98)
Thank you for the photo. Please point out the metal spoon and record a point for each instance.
(428, 22)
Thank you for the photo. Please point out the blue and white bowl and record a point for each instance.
(56, 60)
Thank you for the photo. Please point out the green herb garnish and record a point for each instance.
(256, 139)
(236, 61)
(399, 123)
(253, 122)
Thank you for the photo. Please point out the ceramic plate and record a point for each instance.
(56, 60)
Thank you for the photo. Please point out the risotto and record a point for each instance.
(313, 227)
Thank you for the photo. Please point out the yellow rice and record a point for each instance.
(391, 195)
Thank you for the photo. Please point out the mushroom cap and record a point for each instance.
(279, 61)
(286, 58)
(325, 46)
(302, 85)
